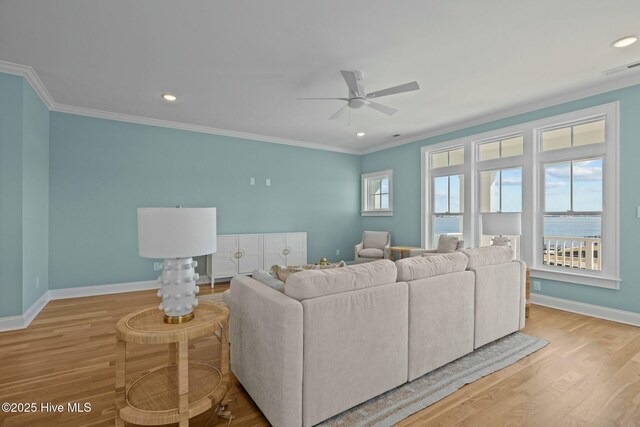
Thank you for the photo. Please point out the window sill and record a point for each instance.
(377, 213)
(576, 278)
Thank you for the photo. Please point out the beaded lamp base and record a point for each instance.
(178, 289)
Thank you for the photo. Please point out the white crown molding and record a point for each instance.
(32, 77)
(620, 316)
(568, 96)
(571, 95)
(89, 112)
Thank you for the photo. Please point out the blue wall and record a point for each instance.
(405, 224)
(24, 196)
(102, 170)
(10, 195)
(77, 182)
(35, 197)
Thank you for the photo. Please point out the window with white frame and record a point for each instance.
(571, 166)
(447, 193)
(377, 193)
(559, 172)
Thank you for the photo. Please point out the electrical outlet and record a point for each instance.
(337, 251)
(157, 266)
(268, 182)
(252, 181)
(536, 285)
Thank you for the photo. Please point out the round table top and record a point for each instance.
(147, 326)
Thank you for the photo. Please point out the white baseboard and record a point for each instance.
(35, 308)
(615, 315)
(89, 291)
(11, 323)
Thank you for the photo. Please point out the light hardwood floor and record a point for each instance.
(589, 375)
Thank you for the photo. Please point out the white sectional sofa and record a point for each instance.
(336, 338)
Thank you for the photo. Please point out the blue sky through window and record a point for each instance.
(587, 186)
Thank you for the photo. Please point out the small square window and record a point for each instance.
(377, 196)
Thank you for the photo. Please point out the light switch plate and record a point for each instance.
(268, 182)
(252, 181)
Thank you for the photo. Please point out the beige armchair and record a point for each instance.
(374, 246)
(446, 244)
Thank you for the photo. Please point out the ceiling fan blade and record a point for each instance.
(382, 108)
(312, 99)
(407, 87)
(355, 88)
(338, 113)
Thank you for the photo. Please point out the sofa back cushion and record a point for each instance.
(316, 283)
(375, 239)
(420, 267)
(488, 255)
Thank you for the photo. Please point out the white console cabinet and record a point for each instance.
(243, 253)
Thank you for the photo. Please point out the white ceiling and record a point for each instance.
(240, 65)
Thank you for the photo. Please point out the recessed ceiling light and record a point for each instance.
(169, 97)
(360, 134)
(625, 41)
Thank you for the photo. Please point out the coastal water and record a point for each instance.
(564, 226)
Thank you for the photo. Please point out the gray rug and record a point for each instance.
(399, 403)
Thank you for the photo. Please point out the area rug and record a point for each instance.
(399, 403)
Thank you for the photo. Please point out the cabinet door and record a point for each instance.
(250, 247)
(274, 245)
(225, 261)
(296, 248)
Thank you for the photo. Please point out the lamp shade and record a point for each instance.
(501, 224)
(176, 232)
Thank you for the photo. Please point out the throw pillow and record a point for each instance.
(447, 244)
(266, 278)
(283, 273)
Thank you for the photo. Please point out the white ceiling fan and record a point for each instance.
(358, 98)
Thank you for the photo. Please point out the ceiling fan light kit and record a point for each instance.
(358, 98)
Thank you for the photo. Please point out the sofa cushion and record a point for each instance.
(371, 253)
(375, 239)
(447, 244)
(420, 267)
(316, 283)
(266, 278)
(488, 255)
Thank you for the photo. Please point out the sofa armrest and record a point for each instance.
(266, 349)
(357, 248)
(418, 252)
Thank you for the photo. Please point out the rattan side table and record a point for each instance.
(181, 389)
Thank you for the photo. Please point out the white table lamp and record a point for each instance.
(500, 225)
(177, 235)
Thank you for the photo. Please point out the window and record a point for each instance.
(448, 205)
(574, 136)
(559, 172)
(377, 193)
(500, 149)
(447, 158)
(501, 191)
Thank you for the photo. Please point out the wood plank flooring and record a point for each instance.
(589, 375)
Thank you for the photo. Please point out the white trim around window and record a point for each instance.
(532, 163)
(367, 210)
